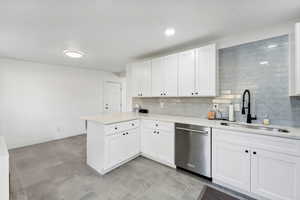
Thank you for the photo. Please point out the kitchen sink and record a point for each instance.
(265, 128)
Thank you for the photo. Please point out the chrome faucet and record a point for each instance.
(249, 117)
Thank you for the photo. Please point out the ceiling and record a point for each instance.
(112, 33)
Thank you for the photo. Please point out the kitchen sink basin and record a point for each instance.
(264, 128)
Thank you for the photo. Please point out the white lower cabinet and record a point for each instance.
(261, 168)
(121, 146)
(275, 175)
(231, 164)
(158, 142)
(149, 142)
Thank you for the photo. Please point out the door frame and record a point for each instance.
(104, 92)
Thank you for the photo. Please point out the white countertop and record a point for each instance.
(294, 133)
(3, 147)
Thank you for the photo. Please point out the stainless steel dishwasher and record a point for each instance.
(193, 148)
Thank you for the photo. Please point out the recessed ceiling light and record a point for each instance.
(264, 62)
(169, 32)
(271, 46)
(73, 54)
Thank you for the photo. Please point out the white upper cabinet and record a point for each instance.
(295, 68)
(189, 73)
(186, 73)
(171, 75)
(165, 76)
(141, 79)
(206, 71)
(157, 77)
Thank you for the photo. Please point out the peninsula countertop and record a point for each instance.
(111, 118)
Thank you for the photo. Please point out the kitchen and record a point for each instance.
(181, 115)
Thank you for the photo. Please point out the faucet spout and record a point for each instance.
(249, 117)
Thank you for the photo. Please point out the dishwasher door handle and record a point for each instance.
(192, 130)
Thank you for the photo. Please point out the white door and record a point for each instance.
(149, 142)
(206, 70)
(115, 145)
(132, 143)
(275, 176)
(170, 73)
(112, 97)
(231, 164)
(186, 73)
(157, 77)
(165, 146)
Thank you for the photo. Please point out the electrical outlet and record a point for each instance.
(216, 106)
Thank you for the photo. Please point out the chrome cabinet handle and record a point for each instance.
(191, 130)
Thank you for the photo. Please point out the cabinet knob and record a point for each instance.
(132, 124)
(254, 152)
(154, 131)
(192, 93)
(126, 133)
(157, 132)
(196, 93)
(161, 94)
(246, 151)
(123, 133)
(116, 128)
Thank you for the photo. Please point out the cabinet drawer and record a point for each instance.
(270, 143)
(122, 126)
(131, 124)
(155, 124)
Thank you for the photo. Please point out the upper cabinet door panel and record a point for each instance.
(145, 78)
(141, 79)
(296, 70)
(135, 73)
(186, 73)
(157, 77)
(206, 74)
(171, 75)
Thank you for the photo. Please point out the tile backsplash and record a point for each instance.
(261, 67)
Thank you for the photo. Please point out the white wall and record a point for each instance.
(40, 102)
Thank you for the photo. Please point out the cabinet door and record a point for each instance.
(186, 73)
(141, 79)
(157, 77)
(132, 143)
(231, 165)
(114, 146)
(275, 176)
(145, 78)
(206, 71)
(171, 75)
(165, 146)
(296, 76)
(135, 80)
(149, 142)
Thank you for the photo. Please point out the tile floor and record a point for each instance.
(57, 170)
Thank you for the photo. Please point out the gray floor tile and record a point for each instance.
(57, 171)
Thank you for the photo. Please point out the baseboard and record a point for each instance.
(158, 160)
(105, 171)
